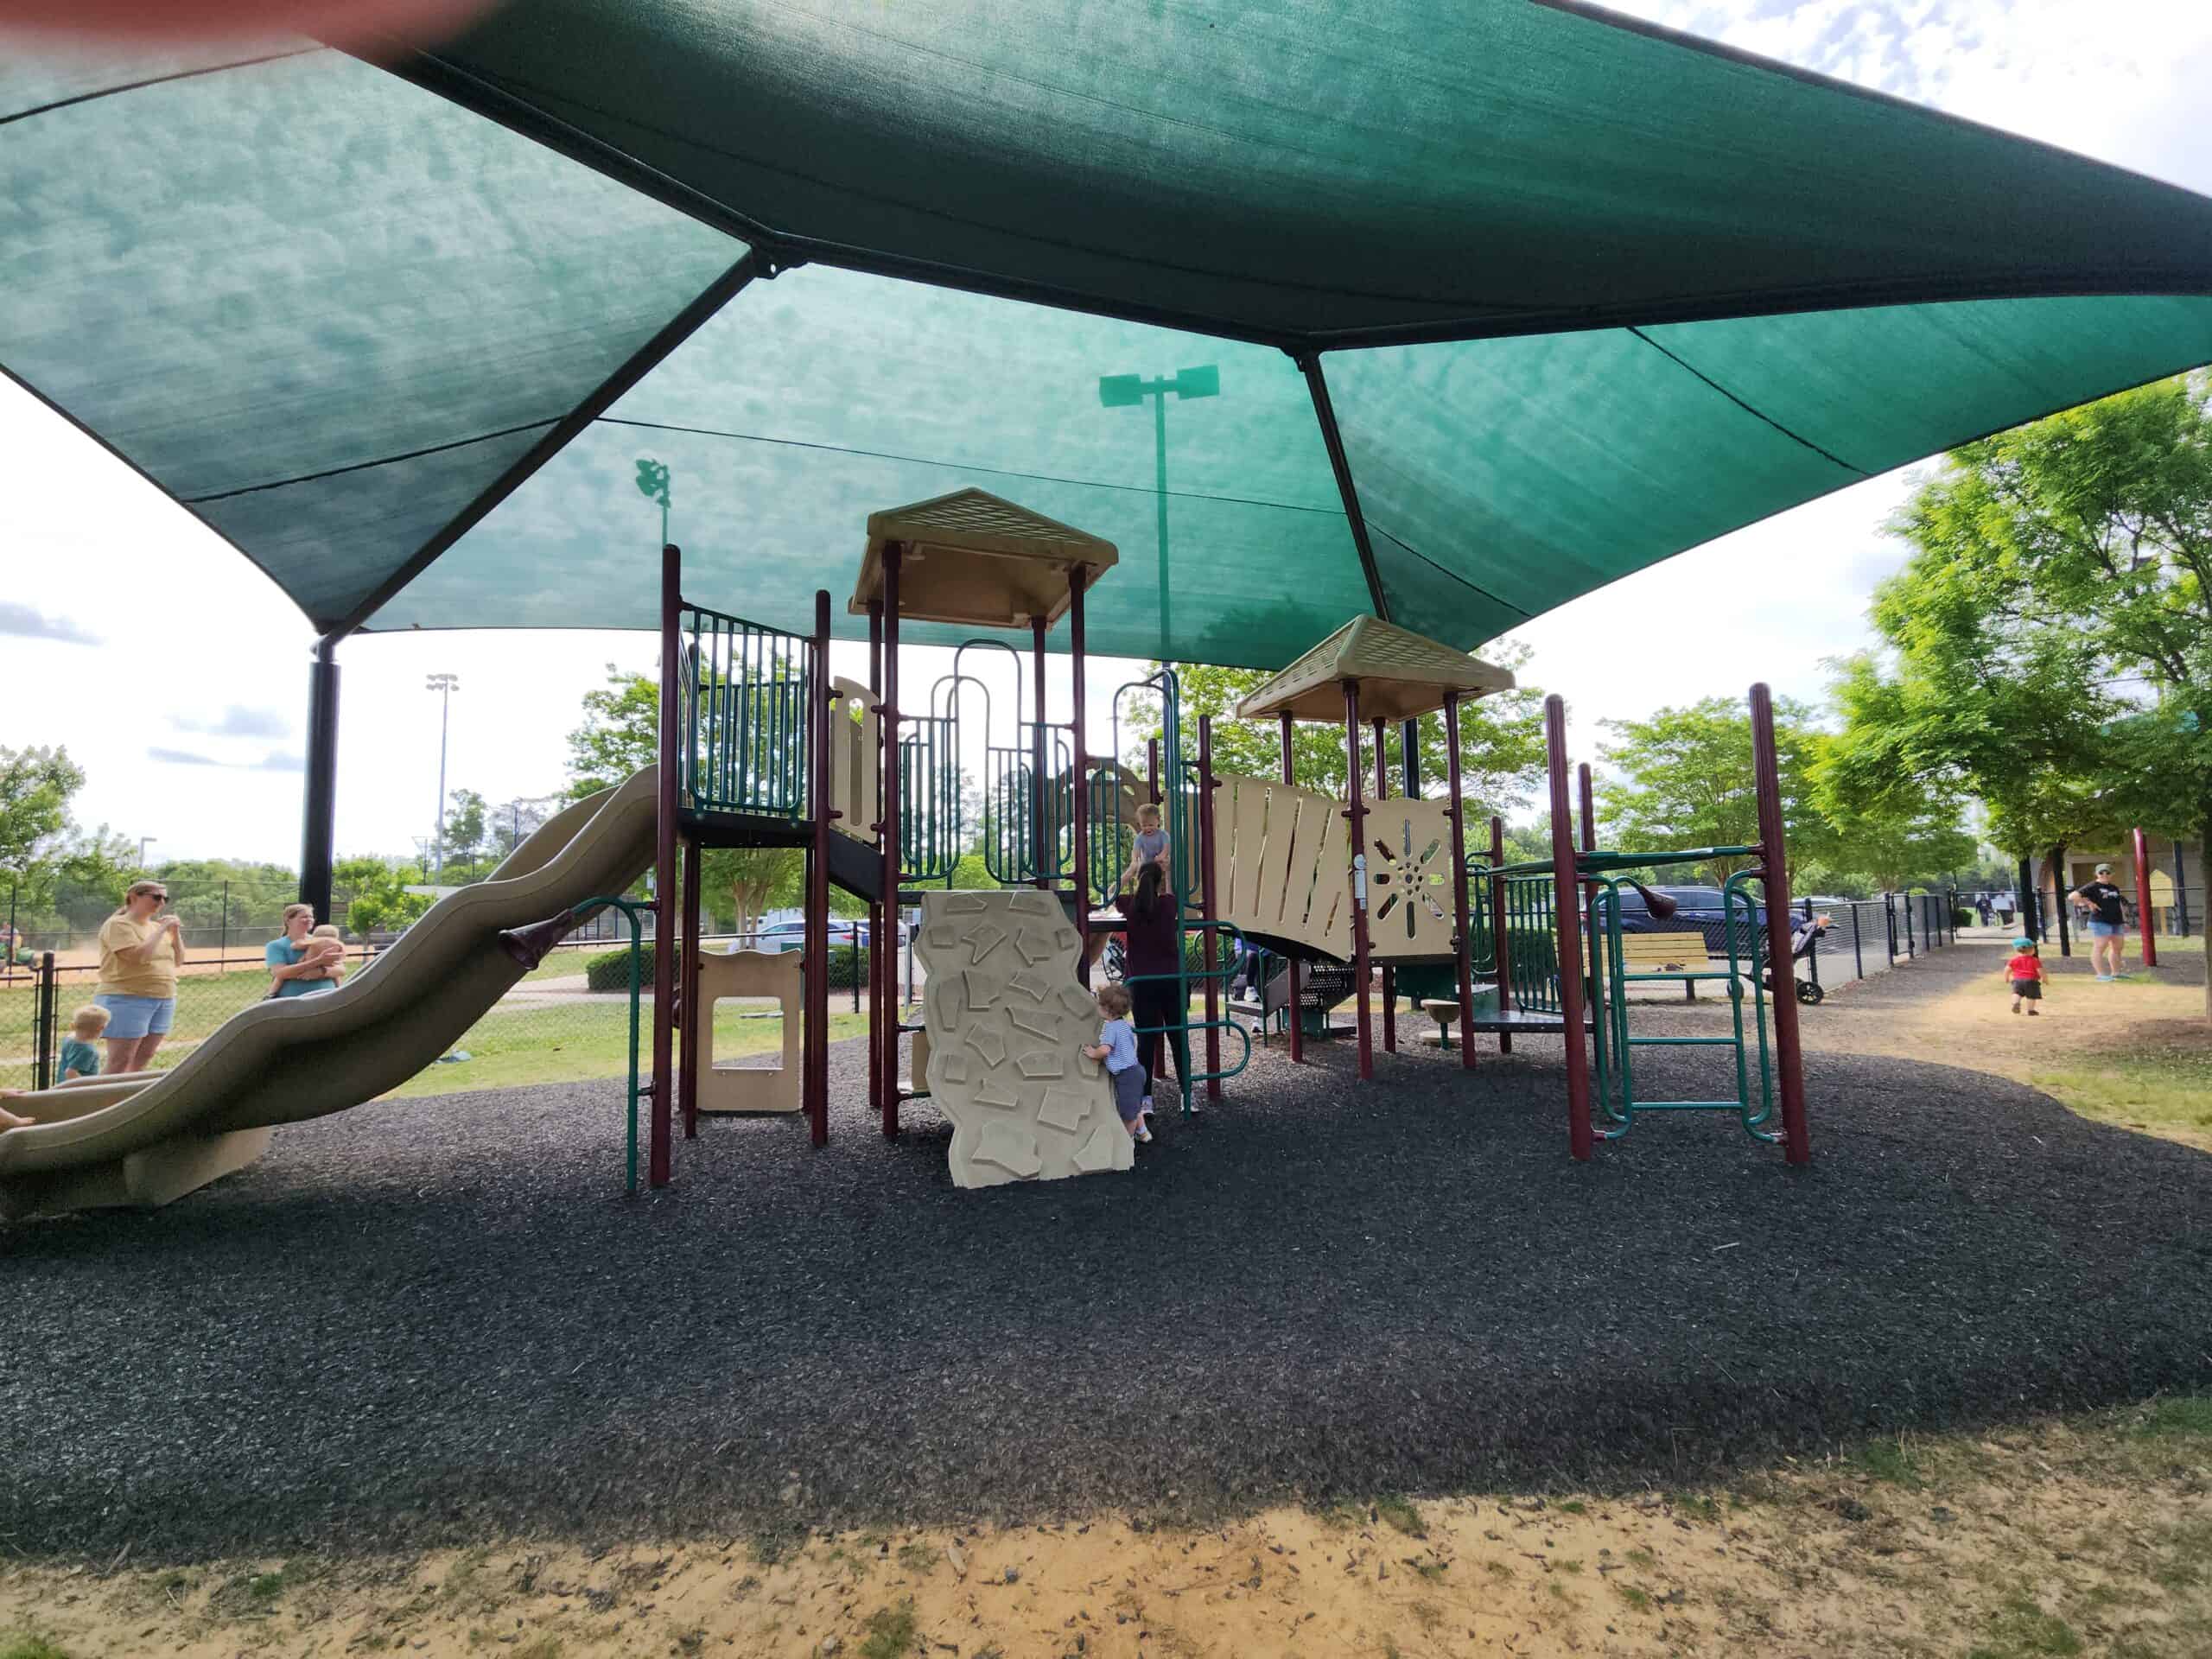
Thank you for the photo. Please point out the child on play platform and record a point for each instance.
(1151, 843)
(2026, 973)
(1117, 1047)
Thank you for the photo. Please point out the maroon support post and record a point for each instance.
(2142, 901)
(875, 910)
(664, 876)
(1389, 974)
(814, 1089)
(1462, 931)
(1357, 812)
(1500, 935)
(1206, 935)
(888, 959)
(1290, 963)
(1040, 787)
(687, 978)
(1567, 892)
(1081, 781)
(1774, 854)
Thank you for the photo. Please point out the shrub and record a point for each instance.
(610, 970)
(1964, 917)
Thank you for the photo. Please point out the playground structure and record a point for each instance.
(760, 746)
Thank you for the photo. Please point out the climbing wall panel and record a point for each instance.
(1007, 1025)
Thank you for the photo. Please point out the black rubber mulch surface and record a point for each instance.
(427, 1321)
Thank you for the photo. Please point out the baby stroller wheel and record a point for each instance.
(1810, 993)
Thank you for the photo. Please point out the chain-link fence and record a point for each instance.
(227, 921)
(567, 1021)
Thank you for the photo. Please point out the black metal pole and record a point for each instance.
(2058, 899)
(318, 833)
(1813, 950)
(2031, 911)
(2181, 891)
(1857, 950)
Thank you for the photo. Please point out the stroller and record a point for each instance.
(1803, 936)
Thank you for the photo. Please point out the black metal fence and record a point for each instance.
(1867, 936)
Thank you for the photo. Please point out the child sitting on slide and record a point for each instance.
(1117, 1047)
(77, 1058)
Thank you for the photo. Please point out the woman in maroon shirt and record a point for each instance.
(1152, 944)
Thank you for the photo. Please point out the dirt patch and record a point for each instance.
(2082, 1536)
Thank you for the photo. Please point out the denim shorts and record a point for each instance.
(2108, 930)
(129, 1018)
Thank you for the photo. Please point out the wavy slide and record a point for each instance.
(152, 1137)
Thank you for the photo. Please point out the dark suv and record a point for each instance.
(1700, 911)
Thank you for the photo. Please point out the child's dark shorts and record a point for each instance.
(1128, 1093)
(2031, 988)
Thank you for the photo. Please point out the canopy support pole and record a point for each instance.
(878, 909)
(319, 828)
(1567, 891)
(1324, 411)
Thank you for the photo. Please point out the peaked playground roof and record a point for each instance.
(1503, 299)
(1400, 674)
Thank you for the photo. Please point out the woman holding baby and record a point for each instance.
(308, 958)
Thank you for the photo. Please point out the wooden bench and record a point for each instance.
(1663, 953)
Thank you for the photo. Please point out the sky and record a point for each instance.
(176, 674)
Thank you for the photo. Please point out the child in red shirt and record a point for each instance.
(2025, 970)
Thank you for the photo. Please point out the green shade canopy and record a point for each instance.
(1503, 300)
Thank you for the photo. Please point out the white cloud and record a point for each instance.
(237, 721)
(24, 623)
(181, 757)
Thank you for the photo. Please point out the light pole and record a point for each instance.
(1128, 391)
(142, 840)
(445, 685)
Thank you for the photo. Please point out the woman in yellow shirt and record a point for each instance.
(139, 957)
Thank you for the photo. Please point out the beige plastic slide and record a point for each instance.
(154, 1136)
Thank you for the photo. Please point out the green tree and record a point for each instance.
(465, 829)
(619, 734)
(1683, 778)
(380, 902)
(36, 786)
(2051, 636)
(1501, 737)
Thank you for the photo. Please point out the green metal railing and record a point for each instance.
(1531, 932)
(746, 692)
(1221, 969)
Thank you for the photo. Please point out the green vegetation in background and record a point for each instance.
(1501, 736)
(2049, 644)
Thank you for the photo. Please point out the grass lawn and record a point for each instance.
(2155, 1072)
(567, 1042)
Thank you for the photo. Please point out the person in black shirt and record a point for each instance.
(1153, 944)
(2105, 908)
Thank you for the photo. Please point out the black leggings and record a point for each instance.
(1154, 1003)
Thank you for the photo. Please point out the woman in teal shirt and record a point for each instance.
(295, 965)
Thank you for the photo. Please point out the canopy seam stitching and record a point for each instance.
(1447, 572)
(366, 465)
(158, 81)
(961, 466)
(1756, 414)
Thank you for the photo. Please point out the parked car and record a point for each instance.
(1699, 911)
(791, 936)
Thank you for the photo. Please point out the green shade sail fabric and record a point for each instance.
(1581, 295)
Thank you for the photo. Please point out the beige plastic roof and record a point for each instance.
(1400, 674)
(972, 557)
